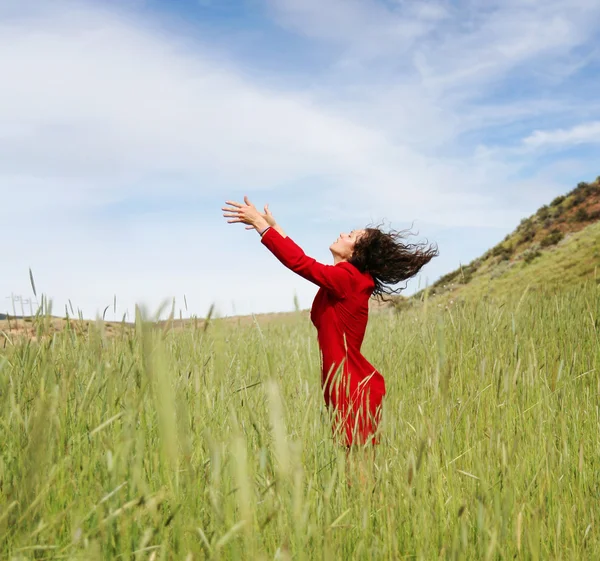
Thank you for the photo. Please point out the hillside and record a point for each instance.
(558, 245)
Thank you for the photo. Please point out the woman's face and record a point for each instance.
(343, 247)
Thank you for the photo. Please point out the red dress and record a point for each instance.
(352, 387)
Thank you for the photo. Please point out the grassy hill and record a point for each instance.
(558, 245)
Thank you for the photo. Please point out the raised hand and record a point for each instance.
(267, 216)
(246, 214)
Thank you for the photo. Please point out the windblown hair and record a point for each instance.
(389, 259)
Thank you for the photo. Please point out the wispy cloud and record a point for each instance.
(580, 134)
(466, 40)
(365, 29)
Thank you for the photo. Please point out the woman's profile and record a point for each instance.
(366, 262)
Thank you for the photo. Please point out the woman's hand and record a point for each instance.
(247, 214)
(268, 217)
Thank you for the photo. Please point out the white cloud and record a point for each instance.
(455, 49)
(580, 134)
(365, 28)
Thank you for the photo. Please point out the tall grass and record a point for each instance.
(214, 443)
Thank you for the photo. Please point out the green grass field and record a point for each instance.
(214, 444)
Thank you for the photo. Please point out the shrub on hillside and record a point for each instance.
(579, 198)
(558, 200)
(593, 189)
(580, 192)
(524, 224)
(575, 200)
(527, 235)
(552, 238)
(543, 212)
(581, 215)
(594, 215)
(502, 251)
(530, 254)
(528, 228)
(570, 203)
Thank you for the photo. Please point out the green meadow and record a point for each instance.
(212, 441)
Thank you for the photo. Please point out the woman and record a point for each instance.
(364, 262)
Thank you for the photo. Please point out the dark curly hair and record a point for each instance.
(389, 259)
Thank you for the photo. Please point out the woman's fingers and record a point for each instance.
(233, 203)
(237, 212)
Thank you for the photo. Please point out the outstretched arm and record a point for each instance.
(336, 279)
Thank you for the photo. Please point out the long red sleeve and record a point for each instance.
(335, 278)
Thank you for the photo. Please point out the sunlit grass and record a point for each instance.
(214, 443)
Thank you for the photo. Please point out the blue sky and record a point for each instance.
(125, 125)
